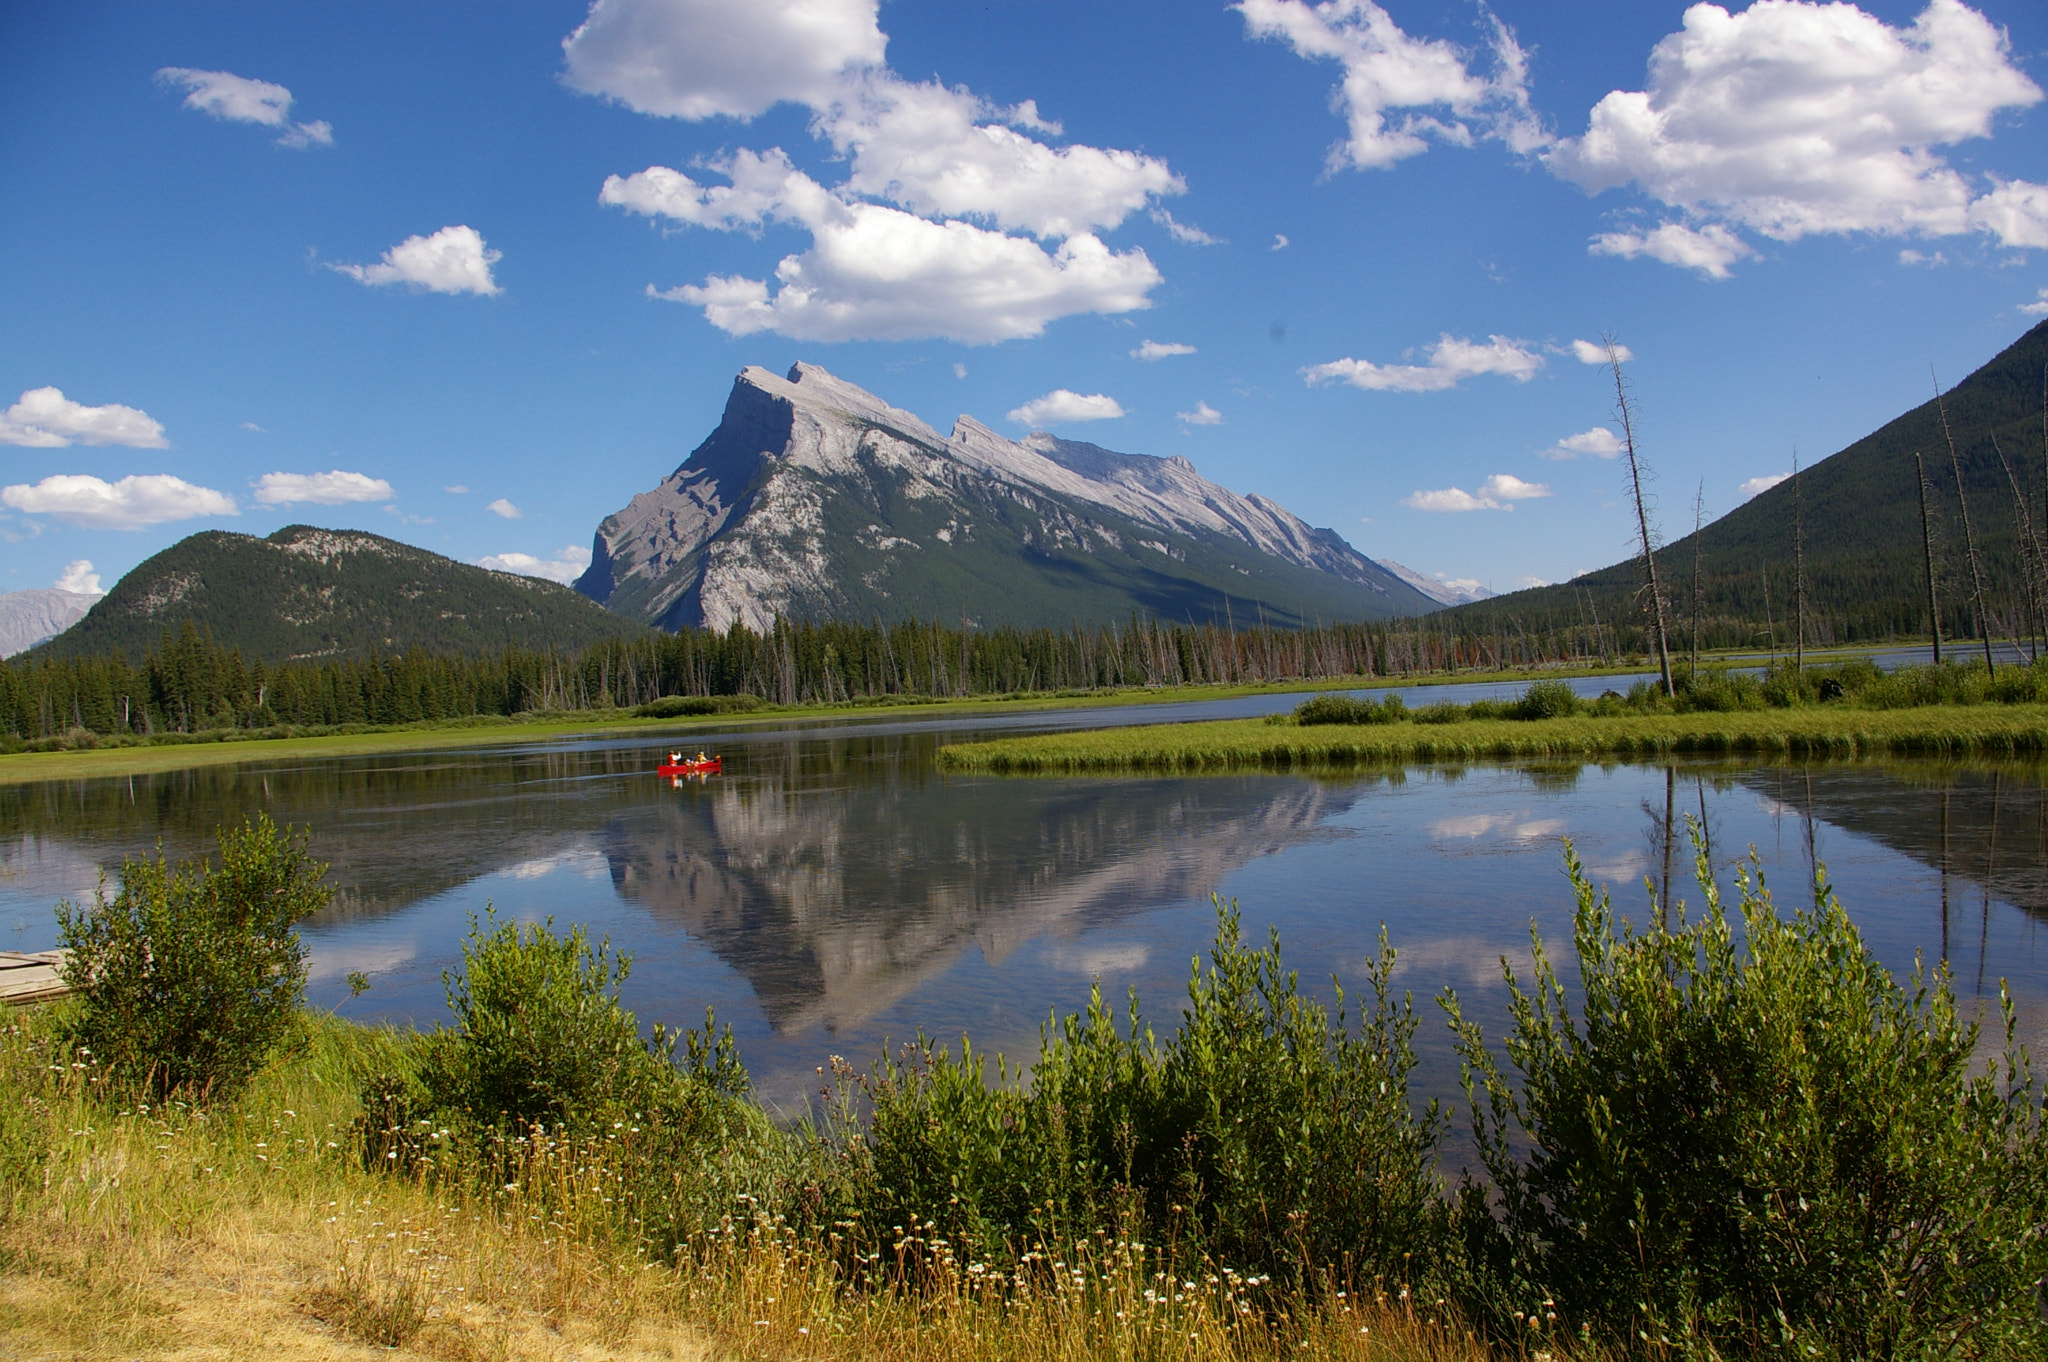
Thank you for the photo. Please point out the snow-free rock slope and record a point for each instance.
(815, 499)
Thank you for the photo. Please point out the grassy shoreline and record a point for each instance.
(1254, 744)
(255, 1229)
(544, 1180)
(229, 747)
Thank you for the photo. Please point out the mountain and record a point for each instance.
(307, 592)
(1452, 592)
(815, 499)
(1865, 570)
(29, 617)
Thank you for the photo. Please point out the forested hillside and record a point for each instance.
(1860, 510)
(312, 593)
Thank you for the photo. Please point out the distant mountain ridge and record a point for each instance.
(306, 592)
(816, 499)
(1437, 589)
(31, 617)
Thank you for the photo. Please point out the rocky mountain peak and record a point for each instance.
(815, 498)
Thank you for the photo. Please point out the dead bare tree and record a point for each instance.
(1699, 506)
(1927, 549)
(1635, 477)
(1770, 625)
(1969, 540)
(2033, 567)
(1798, 568)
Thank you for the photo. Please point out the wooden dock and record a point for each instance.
(34, 977)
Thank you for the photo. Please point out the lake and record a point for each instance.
(832, 893)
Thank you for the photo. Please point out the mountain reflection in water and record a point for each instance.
(835, 902)
(831, 891)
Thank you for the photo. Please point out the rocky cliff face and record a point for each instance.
(816, 499)
(29, 617)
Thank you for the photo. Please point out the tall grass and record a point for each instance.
(2018, 730)
(253, 1228)
(1749, 1143)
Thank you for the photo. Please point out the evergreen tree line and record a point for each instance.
(190, 684)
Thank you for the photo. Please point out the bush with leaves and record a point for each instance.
(540, 1037)
(190, 975)
(1266, 1133)
(1546, 700)
(1753, 1141)
(544, 1058)
(1347, 709)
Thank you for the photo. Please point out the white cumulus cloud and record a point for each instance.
(1202, 415)
(565, 567)
(452, 260)
(1400, 91)
(1061, 407)
(942, 152)
(44, 418)
(503, 507)
(1280, 242)
(1752, 486)
(1451, 361)
(1595, 352)
(334, 488)
(2039, 307)
(878, 273)
(1794, 118)
(79, 577)
(1498, 493)
(1600, 442)
(919, 241)
(1153, 350)
(130, 504)
(241, 100)
(1710, 250)
(734, 58)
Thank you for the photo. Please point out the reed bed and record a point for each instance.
(1255, 744)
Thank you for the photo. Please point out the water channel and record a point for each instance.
(833, 893)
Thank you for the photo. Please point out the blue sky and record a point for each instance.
(472, 275)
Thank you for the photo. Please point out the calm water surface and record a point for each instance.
(832, 893)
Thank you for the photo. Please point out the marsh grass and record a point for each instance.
(2015, 730)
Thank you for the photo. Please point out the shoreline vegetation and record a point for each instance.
(189, 688)
(71, 756)
(76, 754)
(223, 1171)
(1844, 710)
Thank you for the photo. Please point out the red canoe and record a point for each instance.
(710, 766)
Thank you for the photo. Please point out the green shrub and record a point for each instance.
(1753, 1141)
(1715, 690)
(1546, 700)
(544, 1065)
(539, 1035)
(1265, 1133)
(1345, 709)
(684, 706)
(1443, 712)
(191, 975)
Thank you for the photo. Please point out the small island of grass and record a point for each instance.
(1847, 710)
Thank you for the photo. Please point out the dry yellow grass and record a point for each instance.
(251, 1231)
